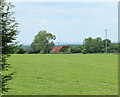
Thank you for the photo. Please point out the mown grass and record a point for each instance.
(64, 74)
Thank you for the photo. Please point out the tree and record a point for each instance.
(94, 45)
(8, 31)
(43, 42)
(118, 47)
(77, 49)
(108, 42)
(113, 48)
(68, 51)
(20, 51)
(84, 51)
(88, 44)
(49, 47)
(98, 45)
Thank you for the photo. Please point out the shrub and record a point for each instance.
(31, 51)
(84, 51)
(68, 51)
(41, 52)
(54, 53)
(20, 51)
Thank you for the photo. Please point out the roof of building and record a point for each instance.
(57, 49)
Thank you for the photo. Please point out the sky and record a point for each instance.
(70, 22)
(62, 0)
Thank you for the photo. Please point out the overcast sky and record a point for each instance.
(70, 22)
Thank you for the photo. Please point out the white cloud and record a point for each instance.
(63, 0)
(66, 11)
(62, 20)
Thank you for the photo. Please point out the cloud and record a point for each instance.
(66, 11)
(74, 20)
(63, 0)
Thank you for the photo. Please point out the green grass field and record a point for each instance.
(64, 74)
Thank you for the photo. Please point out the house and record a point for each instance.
(57, 49)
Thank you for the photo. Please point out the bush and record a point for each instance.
(54, 53)
(20, 51)
(84, 51)
(41, 52)
(31, 51)
(68, 51)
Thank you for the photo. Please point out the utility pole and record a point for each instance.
(106, 39)
(58, 48)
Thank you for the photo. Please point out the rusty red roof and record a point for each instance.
(57, 49)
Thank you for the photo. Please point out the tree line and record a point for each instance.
(43, 44)
(95, 45)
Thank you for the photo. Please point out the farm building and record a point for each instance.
(57, 49)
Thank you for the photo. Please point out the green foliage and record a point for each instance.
(43, 42)
(31, 52)
(98, 45)
(113, 48)
(56, 53)
(26, 47)
(8, 29)
(93, 45)
(90, 45)
(77, 49)
(68, 51)
(84, 51)
(41, 52)
(20, 51)
(108, 42)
